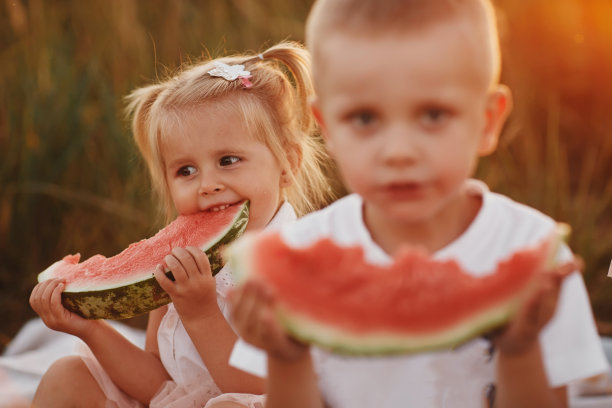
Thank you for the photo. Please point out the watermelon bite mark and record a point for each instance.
(123, 286)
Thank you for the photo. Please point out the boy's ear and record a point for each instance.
(316, 112)
(498, 107)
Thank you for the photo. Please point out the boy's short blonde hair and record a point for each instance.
(276, 108)
(368, 18)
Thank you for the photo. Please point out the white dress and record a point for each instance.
(191, 385)
(453, 378)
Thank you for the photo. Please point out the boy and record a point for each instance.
(408, 99)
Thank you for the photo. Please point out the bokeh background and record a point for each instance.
(71, 180)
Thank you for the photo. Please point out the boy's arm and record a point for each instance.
(522, 382)
(292, 383)
(521, 376)
(291, 378)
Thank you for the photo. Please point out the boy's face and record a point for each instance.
(406, 115)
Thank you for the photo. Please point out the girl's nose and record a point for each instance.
(210, 188)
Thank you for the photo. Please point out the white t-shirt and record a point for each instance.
(177, 352)
(451, 378)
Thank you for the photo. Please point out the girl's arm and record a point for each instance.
(521, 377)
(193, 293)
(291, 378)
(137, 372)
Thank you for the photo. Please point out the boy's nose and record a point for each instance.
(399, 149)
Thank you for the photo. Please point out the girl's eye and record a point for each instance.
(186, 171)
(228, 160)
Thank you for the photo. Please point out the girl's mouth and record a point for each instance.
(221, 207)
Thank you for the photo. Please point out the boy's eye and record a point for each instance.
(228, 160)
(363, 119)
(186, 171)
(434, 116)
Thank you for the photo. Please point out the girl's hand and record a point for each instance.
(193, 290)
(254, 315)
(46, 300)
(538, 307)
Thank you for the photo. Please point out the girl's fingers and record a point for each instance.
(161, 278)
(200, 259)
(187, 261)
(56, 298)
(176, 267)
(47, 292)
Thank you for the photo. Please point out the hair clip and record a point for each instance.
(231, 73)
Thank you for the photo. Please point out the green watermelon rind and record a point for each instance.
(382, 343)
(142, 296)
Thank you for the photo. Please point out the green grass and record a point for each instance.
(71, 180)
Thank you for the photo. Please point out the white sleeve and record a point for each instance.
(249, 358)
(571, 346)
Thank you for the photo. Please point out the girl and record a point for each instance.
(218, 133)
(408, 99)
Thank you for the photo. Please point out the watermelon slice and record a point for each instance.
(123, 286)
(330, 296)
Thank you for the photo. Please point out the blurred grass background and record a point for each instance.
(71, 180)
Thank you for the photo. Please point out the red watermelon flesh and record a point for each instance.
(330, 296)
(123, 285)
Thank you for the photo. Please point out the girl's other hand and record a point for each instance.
(193, 290)
(46, 300)
(538, 307)
(254, 315)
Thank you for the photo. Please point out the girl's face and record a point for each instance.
(211, 160)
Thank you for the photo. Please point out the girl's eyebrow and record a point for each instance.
(179, 162)
(185, 160)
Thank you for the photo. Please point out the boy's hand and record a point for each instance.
(254, 315)
(538, 307)
(46, 300)
(193, 290)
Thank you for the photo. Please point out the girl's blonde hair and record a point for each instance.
(276, 109)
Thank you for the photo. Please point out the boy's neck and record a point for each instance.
(432, 234)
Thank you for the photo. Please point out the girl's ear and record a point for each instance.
(294, 158)
(498, 107)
